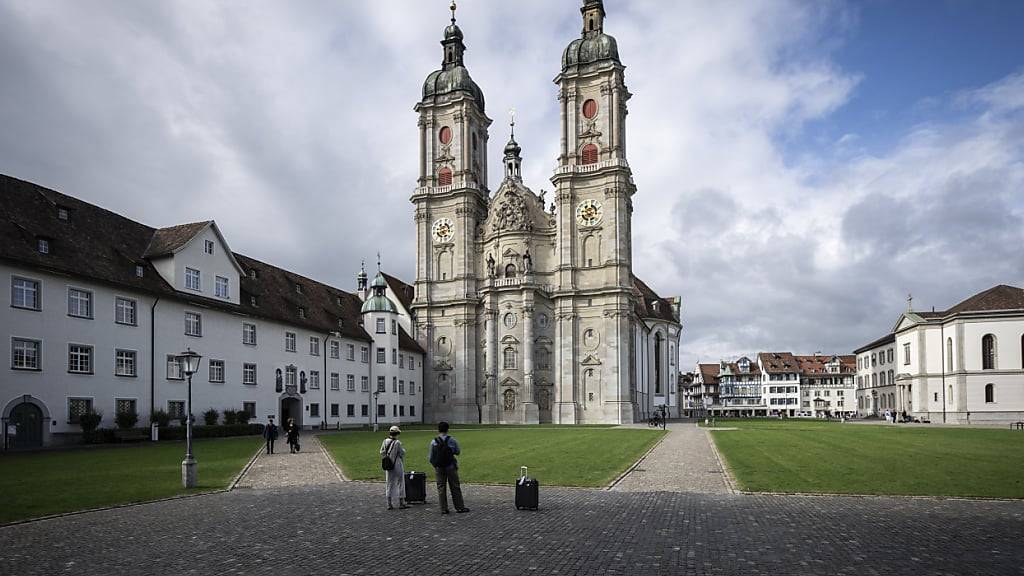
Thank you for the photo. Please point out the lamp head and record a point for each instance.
(189, 362)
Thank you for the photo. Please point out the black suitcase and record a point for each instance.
(527, 491)
(416, 487)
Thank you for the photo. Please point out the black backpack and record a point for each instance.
(386, 463)
(445, 457)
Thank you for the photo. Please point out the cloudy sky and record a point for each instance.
(802, 166)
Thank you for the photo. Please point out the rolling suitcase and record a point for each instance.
(416, 487)
(527, 491)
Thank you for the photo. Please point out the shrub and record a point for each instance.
(230, 417)
(219, 431)
(161, 417)
(210, 417)
(89, 422)
(126, 420)
(243, 417)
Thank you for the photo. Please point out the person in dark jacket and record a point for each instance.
(293, 435)
(443, 450)
(270, 434)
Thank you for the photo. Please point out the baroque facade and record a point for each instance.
(528, 308)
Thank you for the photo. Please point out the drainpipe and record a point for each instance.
(326, 378)
(942, 350)
(152, 357)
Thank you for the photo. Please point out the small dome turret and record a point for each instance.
(379, 302)
(593, 45)
(453, 76)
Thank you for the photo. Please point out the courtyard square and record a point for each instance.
(344, 529)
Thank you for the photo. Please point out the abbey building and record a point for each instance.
(527, 306)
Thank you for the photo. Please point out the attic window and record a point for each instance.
(252, 274)
(209, 246)
(43, 245)
(298, 288)
(339, 304)
(62, 213)
(341, 323)
(252, 301)
(302, 313)
(139, 271)
(655, 305)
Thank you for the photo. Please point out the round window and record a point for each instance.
(510, 320)
(590, 108)
(445, 135)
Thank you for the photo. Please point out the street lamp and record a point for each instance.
(189, 362)
(376, 411)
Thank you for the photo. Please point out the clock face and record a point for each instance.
(588, 213)
(443, 229)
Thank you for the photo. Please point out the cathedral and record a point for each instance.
(527, 306)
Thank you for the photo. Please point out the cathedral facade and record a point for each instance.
(527, 306)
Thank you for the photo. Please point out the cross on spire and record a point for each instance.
(378, 252)
(512, 122)
(452, 8)
(910, 302)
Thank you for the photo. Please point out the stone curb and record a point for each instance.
(330, 459)
(881, 496)
(245, 469)
(636, 464)
(730, 482)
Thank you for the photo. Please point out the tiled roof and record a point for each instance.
(997, 298)
(404, 292)
(709, 372)
(103, 246)
(406, 342)
(887, 339)
(777, 362)
(651, 305)
(816, 364)
(168, 240)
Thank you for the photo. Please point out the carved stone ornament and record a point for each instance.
(510, 400)
(511, 214)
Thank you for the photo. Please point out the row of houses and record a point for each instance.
(100, 307)
(960, 365)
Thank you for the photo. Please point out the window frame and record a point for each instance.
(245, 333)
(247, 368)
(74, 418)
(198, 276)
(89, 357)
(314, 379)
(172, 360)
(292, 339)
(219, 364)
(89, 302)
(37, 286)
(314, 346)
(38, 354)
(118, 300)
(134, 355)
(198, 324)
(226, 284)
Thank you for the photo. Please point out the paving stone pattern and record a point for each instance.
(311, 466)
(343, 529)
(683, 462)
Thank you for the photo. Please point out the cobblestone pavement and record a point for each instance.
(311, 466)
(684, 461)
(343, 529)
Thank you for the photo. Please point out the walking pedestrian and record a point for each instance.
(443, 451)
(392, 449)
(270, 434)
(293, 435)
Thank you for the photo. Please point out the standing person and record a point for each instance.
(293, 435)
(443, 451)
(392, 449)
(270, 434)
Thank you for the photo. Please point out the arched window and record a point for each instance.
(589, 154)
(949, 354)
(891, 379)
(892, 400)
(988, 352)
(881, 378)
(874, 380)
(510, 271)
(509, 358)
(990, 393)
(949, 394)
(444, 265)
(591, 250)
(444, 177)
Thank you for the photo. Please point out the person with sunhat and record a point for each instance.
(394, 478)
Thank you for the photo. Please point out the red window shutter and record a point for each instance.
(444, 177)
(589, 154)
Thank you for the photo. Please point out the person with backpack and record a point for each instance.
(443, 451)
(392, 459)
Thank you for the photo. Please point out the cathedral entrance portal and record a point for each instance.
(544, 404)
(291, 408)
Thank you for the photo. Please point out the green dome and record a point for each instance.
(594, 47)
(453, 79)
(378, 304)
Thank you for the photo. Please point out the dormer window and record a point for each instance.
(139, 271)
(209, 246)
(62, 213)
(43, 245)
(298, 288)
(252, 274)
(253, 302)
(192, 279)
(339, 301)
(341, 323)
(302, 313)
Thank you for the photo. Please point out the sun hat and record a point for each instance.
(394, 430)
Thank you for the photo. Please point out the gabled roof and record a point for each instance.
(406, 342)
(997, 298)
(404, 292)
(816, 364)
(887, 339)
(167, 241)
(650, 305)
(777, 362)
(708, 372)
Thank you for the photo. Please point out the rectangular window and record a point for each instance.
(401, 410)
(43, 246)
(140, 271)
(80, 359)
(364, 410)
(25, 354)
(124, 406)
(291, 375)
(174, 371)
(350, 410)
(77, 407)
(124, 363)
(394, 385)
(890, 354)
(364, 354)
(335, 381)
(412, 411)
(394, 356)
(221, 287)
(314, 410)
(412, 388)
(289, 341)
(314, 346)
(394, 329)
(394, 410)
(176, 409)
(79, 303)
(382, 356)
(192, 279)
(193, 324)
(314, 379)
(249, 374)
(364, 383)
(350, 382)
(350, 352)
(249, 408)
(381, 410)
(217, 371)
(401, 386)
(209, 247)
(401, 360)
(381, 326)
(249, 334)
(381, 384)
(906, 354)
(124, 311)
(335, 349)
(334, 411)
(25, 293)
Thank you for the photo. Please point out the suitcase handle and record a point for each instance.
(522, 474)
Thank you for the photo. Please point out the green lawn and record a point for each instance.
(43, 483)
(831, 457)
(557, 456)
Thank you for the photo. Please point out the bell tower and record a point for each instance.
(594, 187)
(451, 201)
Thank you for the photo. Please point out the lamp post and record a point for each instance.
(376, 412)
(189, 361)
